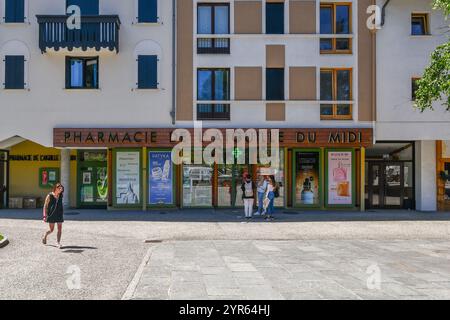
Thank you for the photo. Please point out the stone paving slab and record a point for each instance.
(313, 269)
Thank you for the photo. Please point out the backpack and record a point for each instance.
(276, 192)
(248, 189)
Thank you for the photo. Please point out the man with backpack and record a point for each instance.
(248, 195)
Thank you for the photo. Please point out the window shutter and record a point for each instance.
(20, 10)
(88, 7)
(148, 11)
(147, 72)
(10, 11)
(68, 63)
(14, 72)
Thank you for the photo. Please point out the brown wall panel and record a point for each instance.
(248, 83)
(275, 56)
(302, 16)
(275, 112)
(248, 17)
(302, 83)
(185, 61)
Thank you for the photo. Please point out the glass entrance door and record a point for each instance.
(393, 185)
(386, 187)
(229, 181)
(4, 170)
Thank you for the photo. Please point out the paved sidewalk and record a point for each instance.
(214, 254)
(317, 269)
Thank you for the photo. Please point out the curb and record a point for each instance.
(4, 242)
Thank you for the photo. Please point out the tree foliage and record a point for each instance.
(435, 83)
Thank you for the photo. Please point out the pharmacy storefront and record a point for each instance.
(134, 169)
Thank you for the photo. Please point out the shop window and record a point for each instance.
(14, 72)
(92, 178)
(147, 72)
(307, 177)
(14, 11)
(414, 88)
(335, 19)
(419, 24)
(275, 84)
(447, 182)
(161, 182)
(213, 85)
(87, 7)
(81, 73)
(213, 18)
(278, 173)
(275, 18)
(340, 182)
(127, 190)
(336, 88)
(147, 11)
(197, 185)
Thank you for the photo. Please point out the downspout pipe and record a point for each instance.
(173, 111)
(383, 12)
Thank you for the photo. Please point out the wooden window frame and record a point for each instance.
(69, 72)
(426, 23)
(335, 116)
(333, 40)
(213, 16)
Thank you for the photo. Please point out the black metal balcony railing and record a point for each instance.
(213, 111)
(96, 32)
(213, 45)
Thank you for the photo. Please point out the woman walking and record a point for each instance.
(53, 212)
(261, 191)
(248, 195)
(272, 189)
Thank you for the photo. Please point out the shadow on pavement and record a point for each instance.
(229, 215)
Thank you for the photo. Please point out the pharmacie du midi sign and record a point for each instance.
(111, 138)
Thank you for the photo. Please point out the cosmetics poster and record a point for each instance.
(127, 177)
(307, 178)
(340, 178)
(160, 178)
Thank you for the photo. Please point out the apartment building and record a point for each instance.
(406, 167)
(114, 72)
(96, 107)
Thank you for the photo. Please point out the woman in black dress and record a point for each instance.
(53, 212)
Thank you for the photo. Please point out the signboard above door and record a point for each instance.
(161, 138)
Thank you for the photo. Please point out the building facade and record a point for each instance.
(407, 158)
(97, 105)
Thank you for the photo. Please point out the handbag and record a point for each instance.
(54, 210)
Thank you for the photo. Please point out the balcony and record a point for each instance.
(213, 45)
(96, 33)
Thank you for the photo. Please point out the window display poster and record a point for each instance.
(160, 178)
(307, 178)
(127, 177)
(340, 178)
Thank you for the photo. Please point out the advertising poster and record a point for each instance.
(160, 178)
(307, 178)
(340, 178)
(128, 177)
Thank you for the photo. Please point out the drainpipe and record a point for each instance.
(173, 112)
(383, 12)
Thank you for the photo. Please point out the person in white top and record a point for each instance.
(248, 195)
